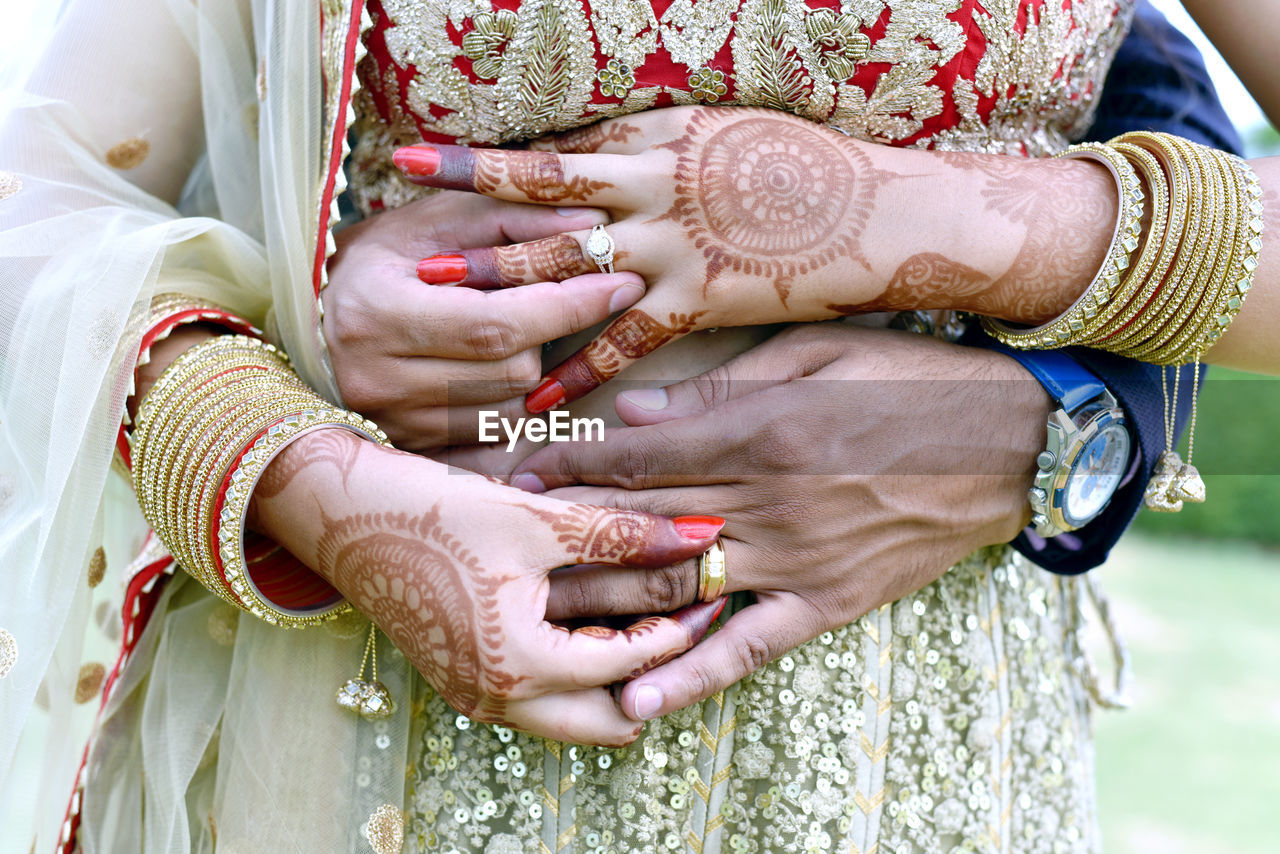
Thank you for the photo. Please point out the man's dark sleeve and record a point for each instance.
(1158, 82)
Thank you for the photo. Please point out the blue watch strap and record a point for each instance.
(1062, 376)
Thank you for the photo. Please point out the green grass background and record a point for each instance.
(1194, 765)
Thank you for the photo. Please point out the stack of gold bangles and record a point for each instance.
(1193, 269)
(204, 433)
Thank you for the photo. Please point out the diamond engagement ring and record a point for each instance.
(600, 248)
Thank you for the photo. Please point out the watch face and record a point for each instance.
(1096, 474)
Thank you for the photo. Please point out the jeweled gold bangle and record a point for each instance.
(1124, 240)
(214, 418)
(1189, 283)
(1153, 252)
(167, 312)
(1179, 291)
(244, 477)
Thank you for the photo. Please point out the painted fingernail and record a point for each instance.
(696, 619)
(651, 399)
(698, 527)
(417, 161)
(625, 296)
(529, 482)
(442, 269)
(647, 701)
(546, 396)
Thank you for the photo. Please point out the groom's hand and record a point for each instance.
(854, 466)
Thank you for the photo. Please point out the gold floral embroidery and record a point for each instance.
(837, 38)
(483, 45)
(693, 31)
(97, 566)
(616, 79)
(626, 31)
(708, 85)
(385, 830)
(128, 154)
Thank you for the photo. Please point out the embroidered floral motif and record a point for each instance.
(707, 85)
(616, 79)
(838, 40)
(483, 45)
(385, 830)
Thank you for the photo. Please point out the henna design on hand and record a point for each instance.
(925, 280)
(770, 197)
(633, 335)
(539, 175)
(431, 596)
(622, 538)
(590, 139)
(551, 259)
(336, 447)
(1056, 248)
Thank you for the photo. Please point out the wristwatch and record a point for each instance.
(1088, 447)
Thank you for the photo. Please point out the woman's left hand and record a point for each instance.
(853, 467)
(734, 216)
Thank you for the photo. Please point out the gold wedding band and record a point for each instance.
(712, 575)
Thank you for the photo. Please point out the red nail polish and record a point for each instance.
(546, 396)
(698, 527)
(696, 619)
(417, 161)
(442, 269)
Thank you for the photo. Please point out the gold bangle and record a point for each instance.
(243, 478)
(1124, 240)
(215, 417)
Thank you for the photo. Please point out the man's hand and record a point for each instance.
(853, 466)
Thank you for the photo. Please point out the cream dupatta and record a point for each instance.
(111, 193)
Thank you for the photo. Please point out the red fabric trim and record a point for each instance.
(335, 142)
(141, 596)
(163, 327)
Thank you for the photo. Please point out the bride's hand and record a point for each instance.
(453, 567)
(741, 216)
(734, 216)
(420, 360)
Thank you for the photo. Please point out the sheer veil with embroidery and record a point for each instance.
(217, 109)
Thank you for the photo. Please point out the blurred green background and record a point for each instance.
(1192, 766)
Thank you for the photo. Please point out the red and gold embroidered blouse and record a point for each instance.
(1016, 77)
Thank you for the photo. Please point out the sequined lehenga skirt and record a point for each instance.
(954, 720)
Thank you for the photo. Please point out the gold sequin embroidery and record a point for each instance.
(128, 154)
(97, 566)
(385, 830)
(89, 682)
